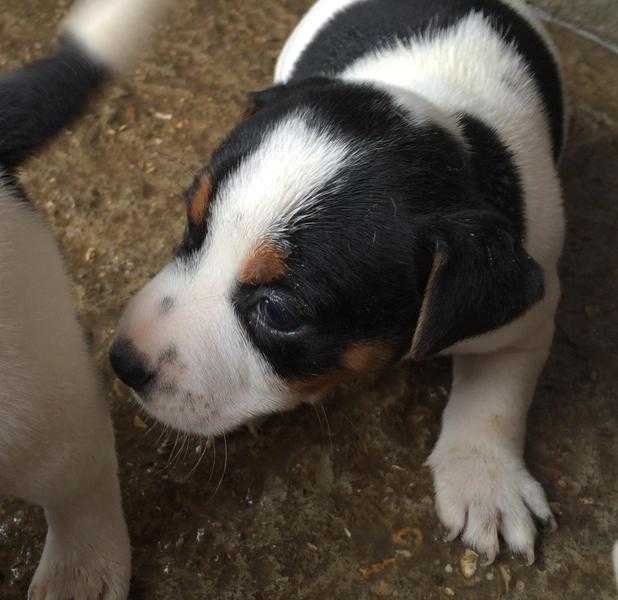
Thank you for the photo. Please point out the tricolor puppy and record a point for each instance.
(56, 439)
(394, 195)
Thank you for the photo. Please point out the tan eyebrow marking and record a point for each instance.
(199, 201)
(265, 264)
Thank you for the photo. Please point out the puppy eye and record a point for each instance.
(278, 315)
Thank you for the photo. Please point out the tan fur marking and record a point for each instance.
(439, 261)
(359, 358)
(320, 384)
(265, 264)
(366, 356)
(199, 201)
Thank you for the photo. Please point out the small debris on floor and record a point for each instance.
(367, 572)
(402, 537)
(138, 423)
(505, 573)
(469, 563)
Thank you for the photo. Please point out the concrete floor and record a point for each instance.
(313, 506)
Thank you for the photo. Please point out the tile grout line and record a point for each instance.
(578, 30)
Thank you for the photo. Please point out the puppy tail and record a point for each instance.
(99, 38)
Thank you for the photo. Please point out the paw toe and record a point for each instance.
(518, 530)
(481, 531)
(452, 515)
(535, 499)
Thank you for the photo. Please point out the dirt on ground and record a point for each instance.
(332, 503)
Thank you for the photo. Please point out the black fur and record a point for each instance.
(42, 98)
(495, 174)
(358, 269)
(372, 24)
(486, 281)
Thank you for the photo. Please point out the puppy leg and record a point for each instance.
(59, 454)
(482, 485)
(86, 554)
(56, 438)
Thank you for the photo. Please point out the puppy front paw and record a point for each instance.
(77, 582)
(483, 492)
(68, 571)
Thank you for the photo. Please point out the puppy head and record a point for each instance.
(312, 247)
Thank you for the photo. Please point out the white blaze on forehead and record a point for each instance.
(281, 178)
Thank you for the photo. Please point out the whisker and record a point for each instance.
(330, 435)
(223, 472)
(214, 460)
(319, 418)
(198, 462)
(180, 456)
(164, 432)
(171, 455)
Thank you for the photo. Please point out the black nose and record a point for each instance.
(129, 365)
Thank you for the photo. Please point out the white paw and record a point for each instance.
(481, 493)
(86, 575)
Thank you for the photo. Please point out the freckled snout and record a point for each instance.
(129, 365)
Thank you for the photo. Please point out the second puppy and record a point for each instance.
(56, 439)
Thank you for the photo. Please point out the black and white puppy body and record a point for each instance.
(394, 195)
(56, 439)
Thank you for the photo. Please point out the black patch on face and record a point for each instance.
(373, 24)
(357, 268)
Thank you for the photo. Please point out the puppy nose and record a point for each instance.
(128, 365)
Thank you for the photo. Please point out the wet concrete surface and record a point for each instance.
(333, 503)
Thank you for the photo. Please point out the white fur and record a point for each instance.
(56, 440)
(482, 485)
(113, 31)
(219, 378)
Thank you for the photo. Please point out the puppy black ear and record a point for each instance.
(262, 98)
(480, 279)
(256, 101)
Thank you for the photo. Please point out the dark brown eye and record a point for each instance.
(277, 314)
